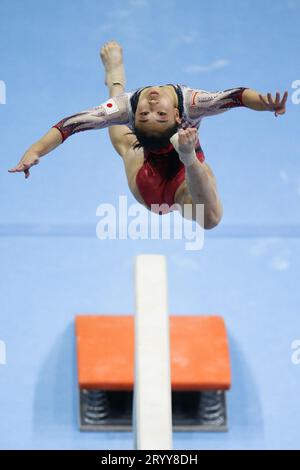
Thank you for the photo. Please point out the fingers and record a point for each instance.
(18, 169)
(277, 103)
(107, 44)
(270, 99)
(284, 98)
(190, 132)
(278, 106)
(281, 104)
(269, 102)
(22, 166)
(263, 100)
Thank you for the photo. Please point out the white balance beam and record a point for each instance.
(152, 408)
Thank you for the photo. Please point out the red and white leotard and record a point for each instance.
(162, 172)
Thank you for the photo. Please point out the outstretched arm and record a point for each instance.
(31, 157)
(201, 103)
(114, 111)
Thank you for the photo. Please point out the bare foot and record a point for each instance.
(112, 57)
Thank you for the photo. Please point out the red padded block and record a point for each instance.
(198, 344)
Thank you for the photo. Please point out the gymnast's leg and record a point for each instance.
(112, 58)
(200, 186)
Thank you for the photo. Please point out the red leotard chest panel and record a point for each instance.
(161, 175)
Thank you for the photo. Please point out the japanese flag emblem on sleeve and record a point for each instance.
(111, 106)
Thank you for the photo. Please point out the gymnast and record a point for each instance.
(155, 131)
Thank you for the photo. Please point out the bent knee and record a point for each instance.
(208, 218)
(211, 221)
(212, 218)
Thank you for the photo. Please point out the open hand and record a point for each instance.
(277, 106)
(27, 161)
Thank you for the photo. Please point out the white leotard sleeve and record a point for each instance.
(114, 111)
(201, 103)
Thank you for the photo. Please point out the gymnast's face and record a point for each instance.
(156, 110)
